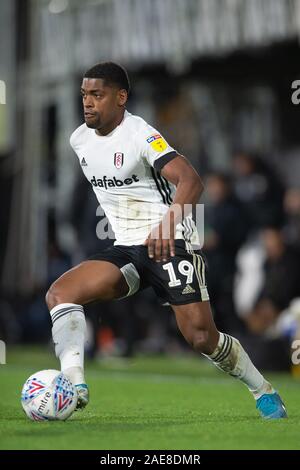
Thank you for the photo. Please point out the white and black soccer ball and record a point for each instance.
(48, 395)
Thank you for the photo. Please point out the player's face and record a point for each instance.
(101, 103)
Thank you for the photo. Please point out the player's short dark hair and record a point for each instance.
(111, 73)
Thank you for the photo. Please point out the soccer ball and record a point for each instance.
(48, 395)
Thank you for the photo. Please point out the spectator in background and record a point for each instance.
(292, 217)
(226, 229)
(281, 284)
(259, 189)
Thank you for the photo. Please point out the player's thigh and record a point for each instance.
(88, 282)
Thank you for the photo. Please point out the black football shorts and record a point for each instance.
(180, 280)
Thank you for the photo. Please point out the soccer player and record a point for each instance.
(138, 180)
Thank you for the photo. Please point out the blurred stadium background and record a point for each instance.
(215, 77)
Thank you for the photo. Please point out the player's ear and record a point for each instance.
(122, 97)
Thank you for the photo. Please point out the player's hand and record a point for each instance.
(160, 242)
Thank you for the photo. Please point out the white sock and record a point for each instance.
(231, 357)
(68, 334)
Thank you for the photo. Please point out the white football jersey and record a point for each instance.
(123, 169)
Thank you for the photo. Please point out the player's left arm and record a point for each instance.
(189, 187)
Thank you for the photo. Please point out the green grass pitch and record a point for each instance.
(148, 403)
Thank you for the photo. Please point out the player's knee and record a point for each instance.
(55, 296)
(200, 341)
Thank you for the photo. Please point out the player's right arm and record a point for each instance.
(188, 191)
(176, 169)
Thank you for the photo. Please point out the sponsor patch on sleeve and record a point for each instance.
(157, 142)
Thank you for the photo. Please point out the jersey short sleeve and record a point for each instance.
(153, 147)
(77, 137)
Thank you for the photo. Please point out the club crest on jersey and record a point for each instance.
(157, 142)
(119, 159)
